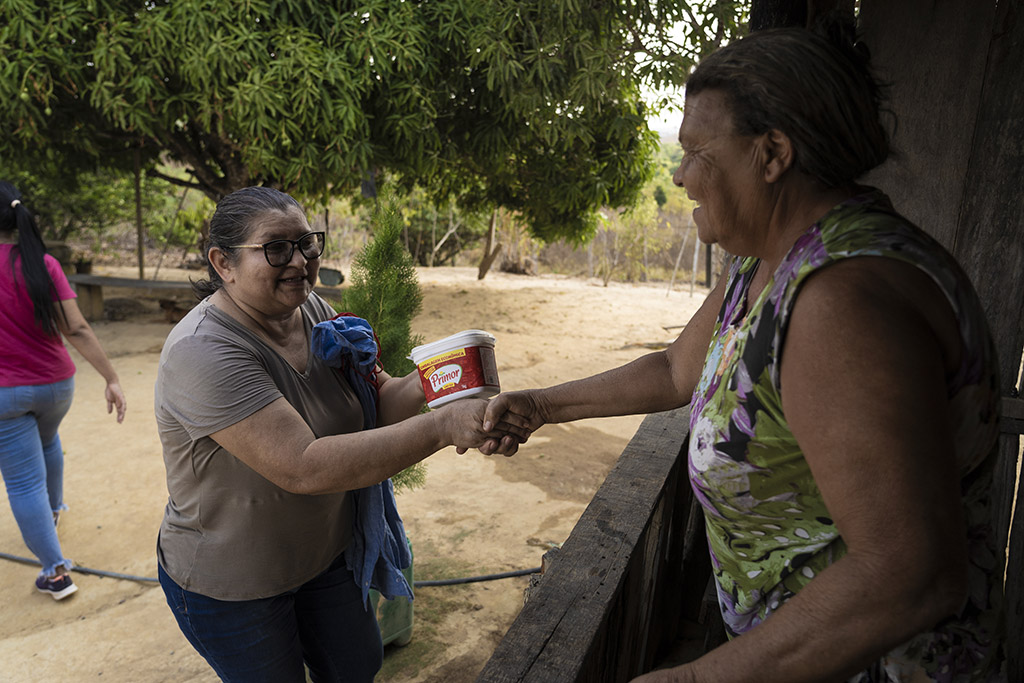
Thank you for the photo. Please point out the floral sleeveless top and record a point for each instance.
(768, 529)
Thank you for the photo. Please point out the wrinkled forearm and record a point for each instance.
(346, 462)
(842, 621)
(642, 386)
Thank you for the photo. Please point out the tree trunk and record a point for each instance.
(433, 239)
(777, 13)
(491, 248)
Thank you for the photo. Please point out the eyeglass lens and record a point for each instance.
(279, 252)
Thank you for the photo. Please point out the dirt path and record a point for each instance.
(475, 515)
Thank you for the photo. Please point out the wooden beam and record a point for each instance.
(955, 73)
(990, 228)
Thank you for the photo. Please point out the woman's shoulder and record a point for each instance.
(56, 270)
(203, 326)
(868, 224)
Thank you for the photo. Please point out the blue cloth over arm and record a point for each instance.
(379, 550)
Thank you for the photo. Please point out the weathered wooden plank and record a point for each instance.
(990, 238)
(933, 54)
(577, 618)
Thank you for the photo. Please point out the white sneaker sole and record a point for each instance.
(61, 594)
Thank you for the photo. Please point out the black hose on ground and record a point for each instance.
(416, 584)
(474, 579)
(82, 570)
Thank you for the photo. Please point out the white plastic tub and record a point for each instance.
(459, 366)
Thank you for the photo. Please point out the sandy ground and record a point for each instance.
(475, 515)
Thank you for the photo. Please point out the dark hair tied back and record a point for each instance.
(816, 86)
(840, 29)
(232, 223)
(15, 217)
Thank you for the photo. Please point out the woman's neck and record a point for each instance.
(794, 212)
(278, 330)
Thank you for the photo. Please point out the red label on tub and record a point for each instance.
(457, 370)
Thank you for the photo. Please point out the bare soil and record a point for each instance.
(476, 515)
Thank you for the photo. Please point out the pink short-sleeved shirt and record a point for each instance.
(28, 355)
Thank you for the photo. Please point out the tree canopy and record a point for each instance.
(533, 105)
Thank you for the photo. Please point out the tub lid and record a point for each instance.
(455, 341)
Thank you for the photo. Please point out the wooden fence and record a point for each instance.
(609, 605)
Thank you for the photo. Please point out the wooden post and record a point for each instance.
(679, 258)
(954, 68)
(138, 211)
(707, 266)
(990, 245)
(696, 260)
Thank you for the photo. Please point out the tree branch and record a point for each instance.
(153, 173)
(228, 157)
(211, 183)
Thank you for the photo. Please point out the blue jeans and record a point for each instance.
(322, 623)
(32, 463)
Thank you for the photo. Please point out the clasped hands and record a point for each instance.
(496, 426)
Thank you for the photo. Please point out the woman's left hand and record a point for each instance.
(115, 397)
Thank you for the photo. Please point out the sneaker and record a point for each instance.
(59, 587)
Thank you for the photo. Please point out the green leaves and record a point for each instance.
(533, 104)
(385, 290)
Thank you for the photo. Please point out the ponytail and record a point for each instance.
(15, 216)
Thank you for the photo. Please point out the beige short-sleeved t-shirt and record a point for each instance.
(228, 532)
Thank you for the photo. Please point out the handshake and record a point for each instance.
(498, 425)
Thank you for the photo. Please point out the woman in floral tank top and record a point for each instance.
(843, 389)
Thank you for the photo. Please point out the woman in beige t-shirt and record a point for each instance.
(261, 443)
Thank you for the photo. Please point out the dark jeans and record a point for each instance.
(321, 623)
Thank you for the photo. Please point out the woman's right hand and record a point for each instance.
(462, 424)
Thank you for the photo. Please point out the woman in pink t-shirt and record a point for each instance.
(37, 306)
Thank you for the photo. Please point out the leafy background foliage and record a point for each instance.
(533, 106)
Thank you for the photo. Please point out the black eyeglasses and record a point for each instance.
(279, 252)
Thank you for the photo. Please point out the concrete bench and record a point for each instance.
(90, 293)
(90, 290)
